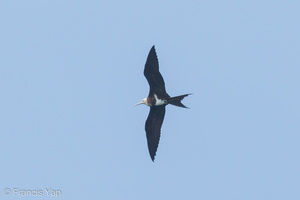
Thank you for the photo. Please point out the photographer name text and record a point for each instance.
(32, 192)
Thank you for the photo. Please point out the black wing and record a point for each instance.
(153, 125)
(153, 76)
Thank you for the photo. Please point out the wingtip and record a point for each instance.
(152, 155)
(152, 158)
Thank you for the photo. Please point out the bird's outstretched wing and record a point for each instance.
(153, 125)
(153, 76)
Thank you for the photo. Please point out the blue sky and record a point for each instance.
(71, 71)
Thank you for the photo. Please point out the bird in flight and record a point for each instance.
(157, 100)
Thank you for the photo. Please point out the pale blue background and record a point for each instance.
(71, 71)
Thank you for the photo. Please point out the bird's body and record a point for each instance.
(157, 99)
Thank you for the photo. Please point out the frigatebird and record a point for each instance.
(157, 99)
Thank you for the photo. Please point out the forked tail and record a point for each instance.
(176, 101)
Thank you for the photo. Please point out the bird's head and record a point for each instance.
(144, 101)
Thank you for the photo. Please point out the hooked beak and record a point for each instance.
(138, 103)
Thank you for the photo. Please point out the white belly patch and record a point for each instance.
(159, 102)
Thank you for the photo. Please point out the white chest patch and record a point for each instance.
(159, 102)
